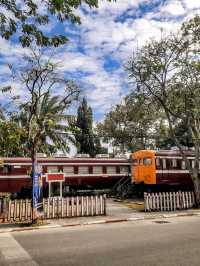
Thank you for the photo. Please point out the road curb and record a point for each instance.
(106, 221)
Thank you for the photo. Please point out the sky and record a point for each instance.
(100, 47)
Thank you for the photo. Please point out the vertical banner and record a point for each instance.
(37, 194)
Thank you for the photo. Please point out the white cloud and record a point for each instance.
(113, 30)
(174, 8)
(191, 4)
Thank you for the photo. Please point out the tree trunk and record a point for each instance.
(195, 175)
(196, 182)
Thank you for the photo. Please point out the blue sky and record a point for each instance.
(101, 45)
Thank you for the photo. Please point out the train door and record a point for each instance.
(159, 169)
(135, 170)
(149, 170)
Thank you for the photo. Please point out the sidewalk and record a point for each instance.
(116, 212)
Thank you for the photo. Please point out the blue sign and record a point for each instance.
(37, 192)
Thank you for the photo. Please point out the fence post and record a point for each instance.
(145, 201)
(174, 201)
(104, 197)
(72, 205)
(62, 207)
(9, 210)
(187, 200)
(5, 209)
(170, 201)
(96, 205)
(77, 206)
(153, 201)
(183, 197)
(160, 200)
(67, 207)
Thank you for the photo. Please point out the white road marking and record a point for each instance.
(13, 253)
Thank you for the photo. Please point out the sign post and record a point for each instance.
(55, 177)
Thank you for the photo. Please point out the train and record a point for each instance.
(162, 170)
(148, 170)
(79, 173)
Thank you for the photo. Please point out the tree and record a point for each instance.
(48, 134)
(42, 112)
(135, 124)
(86, 141)
(84, 135)
(130, 125)
(167, 73)
(12, 137)
(25, 18)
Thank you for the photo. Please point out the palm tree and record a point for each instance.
(46, 130)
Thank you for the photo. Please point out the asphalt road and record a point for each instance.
(122, 244)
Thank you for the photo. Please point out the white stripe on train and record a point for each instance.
(70, 164)
(174, 171)
(66, 176)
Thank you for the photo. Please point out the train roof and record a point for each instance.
(173, 153)
(162, 153)
(60, 160)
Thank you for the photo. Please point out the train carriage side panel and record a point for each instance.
(170, 170)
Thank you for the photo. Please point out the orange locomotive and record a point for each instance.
(161, 170)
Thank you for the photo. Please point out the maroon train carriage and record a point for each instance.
(171, 169)
(80, 173)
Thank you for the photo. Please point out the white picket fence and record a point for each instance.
(169, 201)
(15, 211)
(74, 206)
(20, 211)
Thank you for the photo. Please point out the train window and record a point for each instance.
(83, 170)
(193, 163)
(7, 169)
(135, 162)
(52, 169)
(174, 163)
(111, 169)
(147, 161)
(68, 170)
(183, 165)
(140, 161)
(158, 163)
(124, 170)
(97, 170)
(164, 163)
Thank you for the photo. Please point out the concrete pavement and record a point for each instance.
(174, 242)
